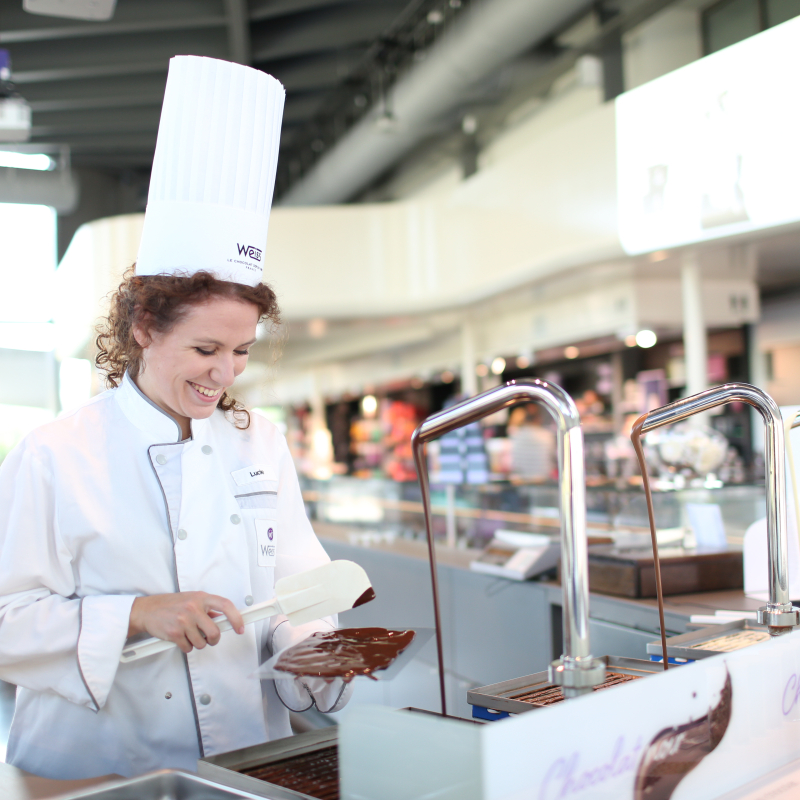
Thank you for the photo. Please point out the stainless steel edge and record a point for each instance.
(246, 783)
(165, 785)
(681, 646)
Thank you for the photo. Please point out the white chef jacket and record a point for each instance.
(106, 504)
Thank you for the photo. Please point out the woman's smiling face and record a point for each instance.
(186, 370)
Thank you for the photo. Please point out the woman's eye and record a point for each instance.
(242, 352)
(204, 352)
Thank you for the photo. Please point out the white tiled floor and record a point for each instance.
(7, 692)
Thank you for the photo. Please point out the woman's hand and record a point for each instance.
(184, 618)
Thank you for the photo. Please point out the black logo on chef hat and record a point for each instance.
(248, 251)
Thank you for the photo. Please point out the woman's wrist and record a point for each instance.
(134, 623)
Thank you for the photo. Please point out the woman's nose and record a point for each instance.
(223, 370)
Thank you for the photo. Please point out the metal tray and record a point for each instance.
(684, 646)
(226, 768)
(499, 696)
(166, 784)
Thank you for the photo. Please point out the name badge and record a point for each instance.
(254, 473)
(267, 542)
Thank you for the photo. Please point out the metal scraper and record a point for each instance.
(303, 597)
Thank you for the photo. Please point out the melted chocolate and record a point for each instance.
(366, 597)
(420, 462)
(675, 752)
(345, 653)
(315, 774)
(636, 439)
(550, 695)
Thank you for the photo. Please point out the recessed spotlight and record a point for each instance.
(447, 376)
(523, 362)
(369, 405)
(646, 338)
(481, 370)
(630, 341)
(435, 17)
(571, 352)
(498, 365)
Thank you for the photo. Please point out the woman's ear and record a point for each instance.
(141, 335)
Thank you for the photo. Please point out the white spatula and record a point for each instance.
(303, 597)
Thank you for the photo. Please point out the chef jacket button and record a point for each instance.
(168, 695)
(206, 449)
(205, 699)
(161, 459)
(235, 519)
(248, 601)
(182, 533)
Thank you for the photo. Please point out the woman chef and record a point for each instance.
(144, 511)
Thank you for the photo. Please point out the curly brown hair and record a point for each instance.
(156, 303)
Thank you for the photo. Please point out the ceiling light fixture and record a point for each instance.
(571, 352)
(646, 338)
(369, 405)
(498, 365)
(38, 161)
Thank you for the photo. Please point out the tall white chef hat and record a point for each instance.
(213, 171)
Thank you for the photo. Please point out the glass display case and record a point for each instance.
(379, 508)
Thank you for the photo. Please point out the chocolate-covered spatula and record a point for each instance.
(303, 597)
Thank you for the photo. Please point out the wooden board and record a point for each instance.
(631, 573)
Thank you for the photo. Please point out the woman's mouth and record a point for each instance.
(205, 393)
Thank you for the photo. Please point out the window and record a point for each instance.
(730, 21)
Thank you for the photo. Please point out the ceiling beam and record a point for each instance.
(89, 103)
(238, 31)
(269, 9)
(103, 142)
(111, 28)
(96, 71)
(314, 72)
(323, 31)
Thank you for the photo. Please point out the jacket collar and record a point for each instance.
(142, 412)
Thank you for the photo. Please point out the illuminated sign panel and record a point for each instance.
(712, 149)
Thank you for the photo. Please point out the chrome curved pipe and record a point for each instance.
(576, 672)
(778, 614)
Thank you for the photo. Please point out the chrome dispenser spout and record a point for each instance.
(778, 613)
(577, 671)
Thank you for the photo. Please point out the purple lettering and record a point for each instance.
(791, 694)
